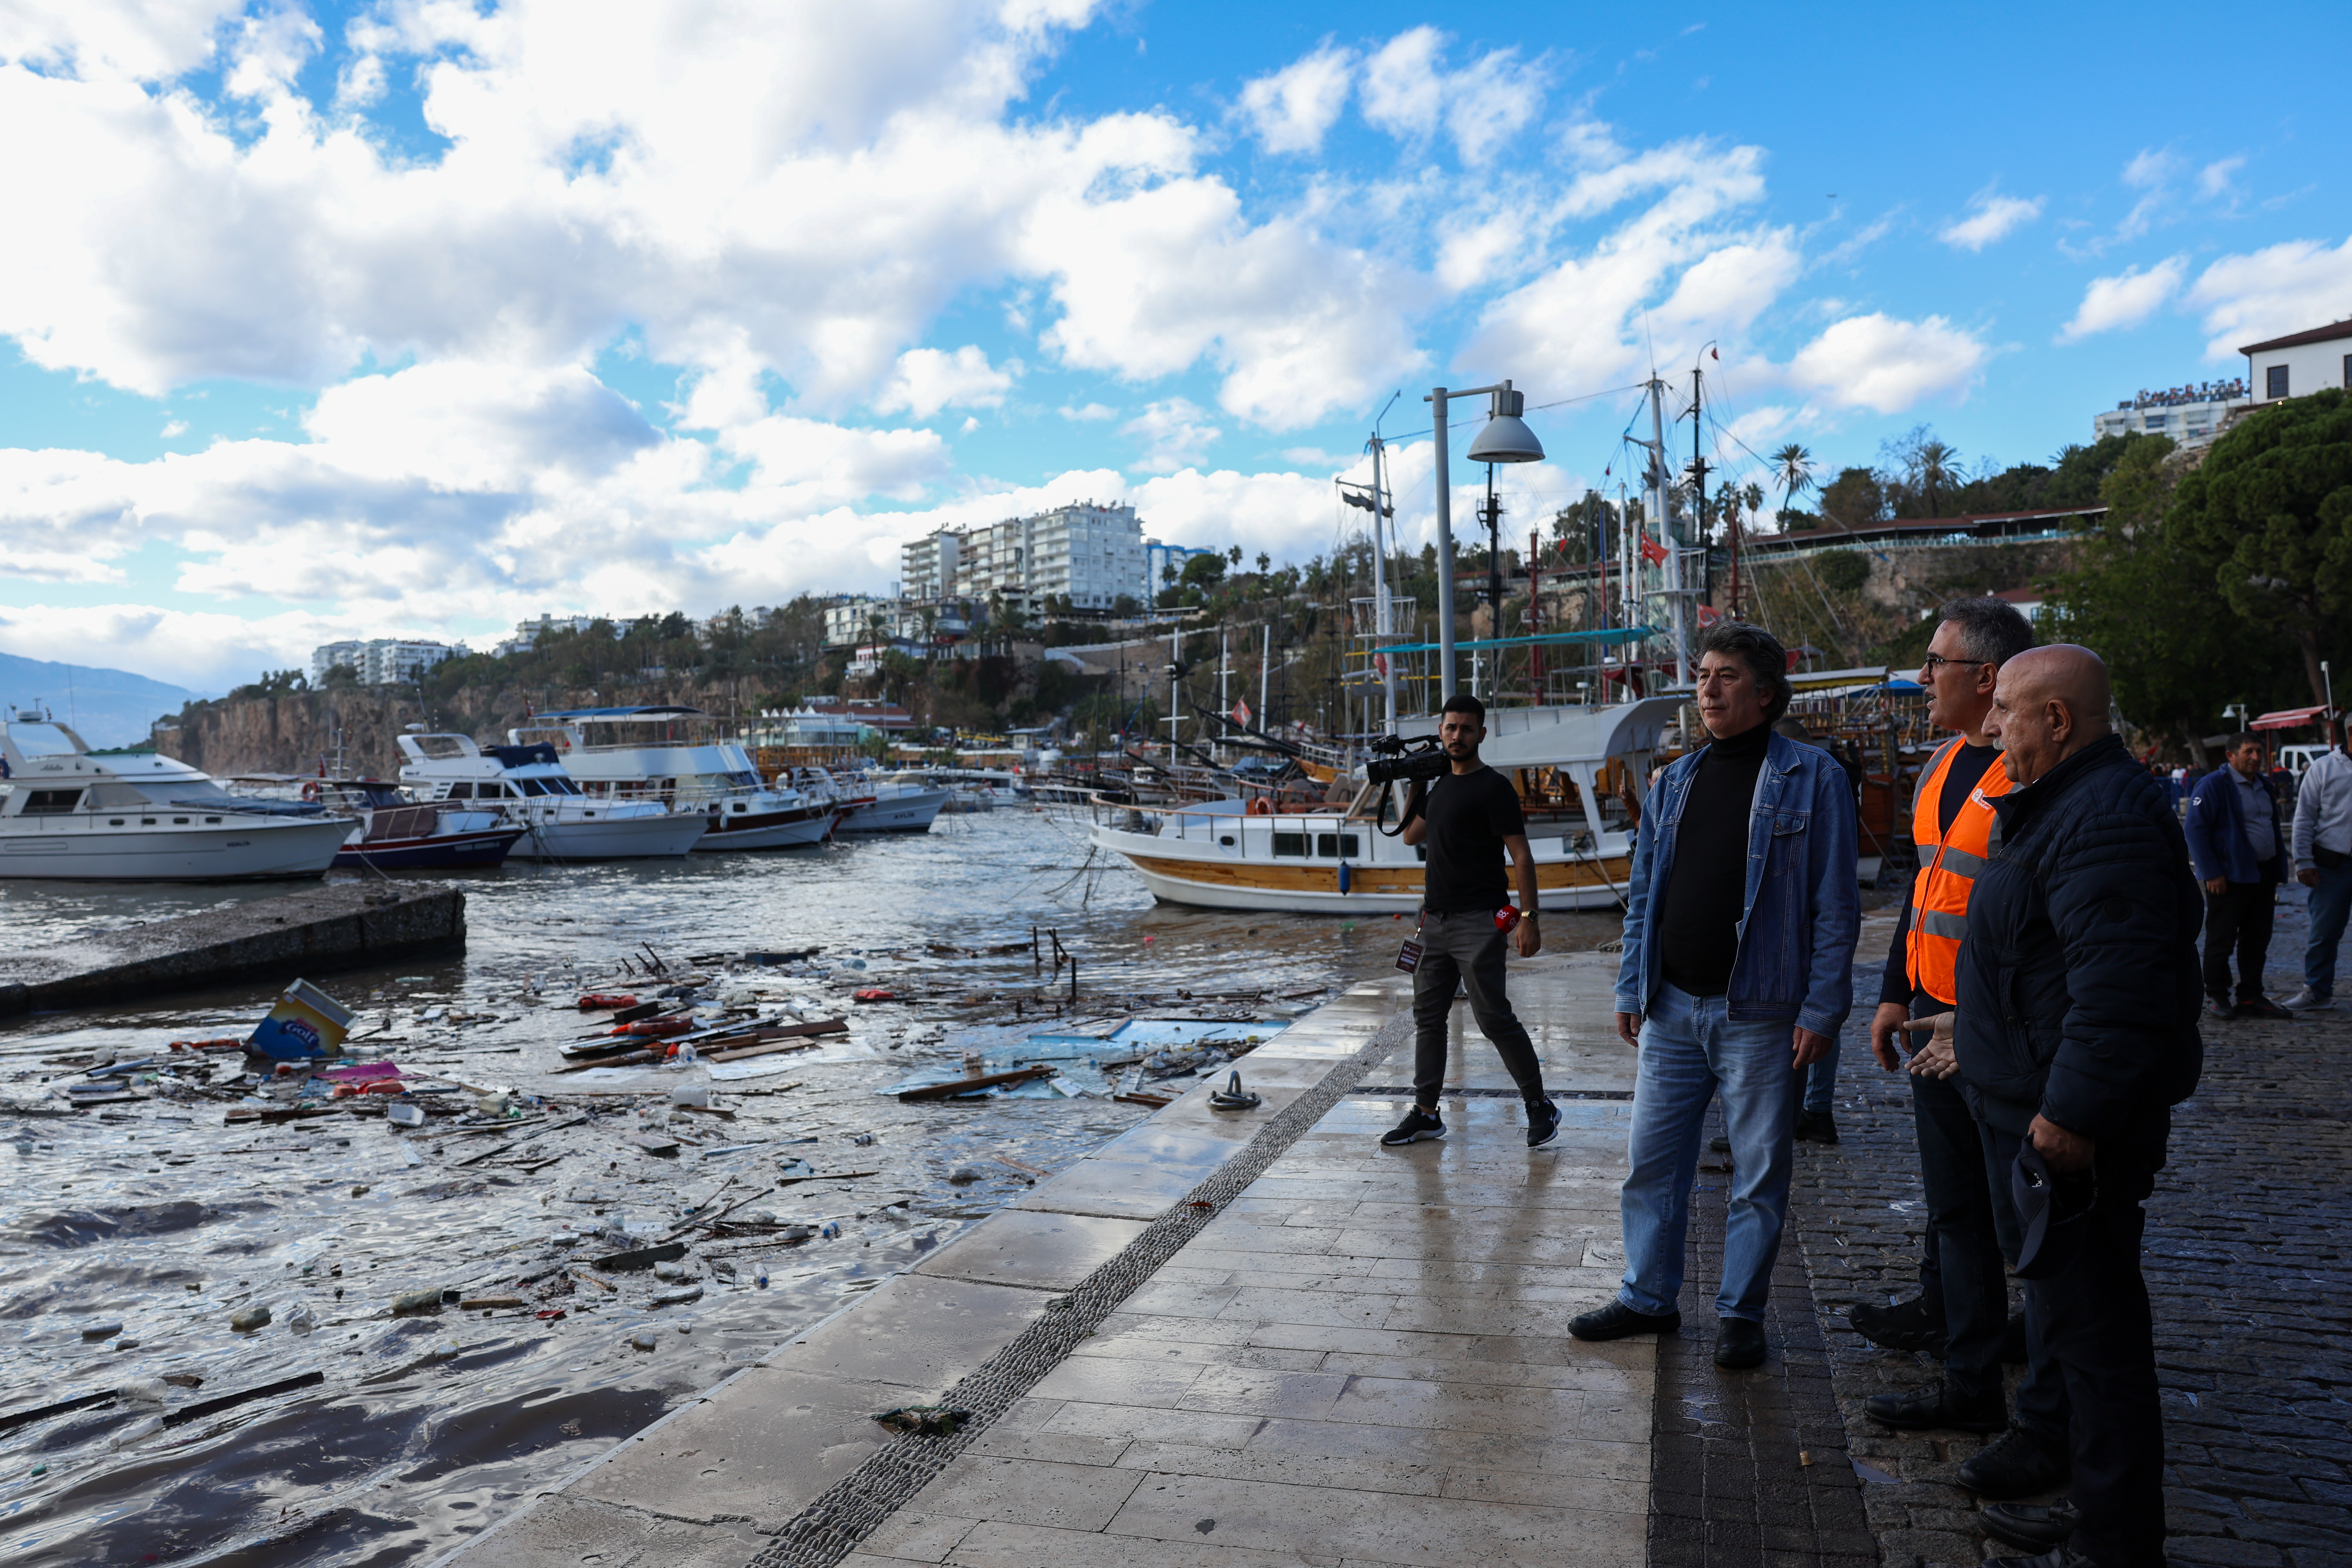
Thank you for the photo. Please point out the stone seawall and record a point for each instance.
(312, 932)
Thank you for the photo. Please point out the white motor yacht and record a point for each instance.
(136, 816)
(904, 803)
(674, 755)
(534, 791)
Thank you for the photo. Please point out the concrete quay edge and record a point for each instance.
(710, 1483)
(314, 932)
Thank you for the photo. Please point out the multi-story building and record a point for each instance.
(2192, 414)
(1092, 554)
(1162, 565)
(850, 620)
(528, 633)
(928, 567)
(382, 661)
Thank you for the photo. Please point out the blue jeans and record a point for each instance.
(1689, 1050)
(1820, 1079)
(2331, 902)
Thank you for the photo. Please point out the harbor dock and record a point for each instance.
(314, 932)
(1252, 1338)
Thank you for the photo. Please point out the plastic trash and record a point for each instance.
(761, 1282)
(442, 1350)
(832, 1229)
(695, 1094)
(404, 1115)
(670, 1272)
(105, 1331)
(418, 1300)
(306, 1023)
(301, 1319)
(245, 1319)
(643, 1342)
(493, 1104)
(146, 1390)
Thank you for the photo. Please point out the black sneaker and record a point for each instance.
(2017, 1464)
(2033, 1526)
(1816, 1127)
(2216, 1008)
(2263, 1008)
(1935, 1408)
(1417, 1125)
(1915, 1325)
(1543, 1123)
(1618, 1320)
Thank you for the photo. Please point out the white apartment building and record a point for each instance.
(1092, 553)
(928, 567)
(850, 620)
(1160, 560)
(382, 661)
(2193, 416)
(2300, 363)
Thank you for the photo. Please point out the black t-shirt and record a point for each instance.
(1469, 816)
(1966, 768)
(1698, 908)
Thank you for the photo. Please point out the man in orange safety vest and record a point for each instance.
(1962, 1309)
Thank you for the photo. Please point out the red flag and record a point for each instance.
(1708, 614)
(1655, 553)
(1241, 714)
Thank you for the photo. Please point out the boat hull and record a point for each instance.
(765, 830)
(1233, 883)
(262, 850)
(667, 836)
(439, 852)
(912, 812)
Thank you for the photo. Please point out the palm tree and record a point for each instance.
(1935, 467)
(1796, 476)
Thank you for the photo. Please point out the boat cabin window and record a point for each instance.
(43, 740)
(1337, 846)
(50, 802)
(528, 786)
(1290, 844)
(460, 792)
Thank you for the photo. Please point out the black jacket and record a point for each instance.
(2078, 977)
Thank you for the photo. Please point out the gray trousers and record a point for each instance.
(1469, 949)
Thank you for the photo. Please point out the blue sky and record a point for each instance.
(419, 318)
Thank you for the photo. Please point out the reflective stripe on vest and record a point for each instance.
(1949, 865)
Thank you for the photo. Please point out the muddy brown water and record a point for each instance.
(428, 1426)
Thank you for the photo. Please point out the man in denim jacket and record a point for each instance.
(1738, 974)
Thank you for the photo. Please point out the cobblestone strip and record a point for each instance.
(2250, 1267)
(829, 1528)
(1749, 1470)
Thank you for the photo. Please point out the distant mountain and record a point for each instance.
(110, 707)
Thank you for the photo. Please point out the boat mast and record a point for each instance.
(1384, 615)
(1677, 611)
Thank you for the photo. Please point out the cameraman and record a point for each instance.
(1469, 818)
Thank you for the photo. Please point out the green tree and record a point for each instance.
(1855, 499)
(2271, 506)
(1794, 474)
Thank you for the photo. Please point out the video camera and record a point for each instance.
(1394, 763)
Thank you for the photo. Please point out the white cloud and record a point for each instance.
(1292, 109)
(2126, 299)
(206, 650)
(175, 427)
(145, 40)
(1990, 217)
(1885, 364)
(2279, 289)
(1174, 435)
(1087, 413)
(2215, 180)
(1408, 93)
(929, 379)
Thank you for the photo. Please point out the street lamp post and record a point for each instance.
(1503, 439)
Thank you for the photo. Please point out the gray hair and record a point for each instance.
(1991, 629)
(1763, 654)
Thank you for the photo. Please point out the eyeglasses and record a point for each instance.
(1936, 661)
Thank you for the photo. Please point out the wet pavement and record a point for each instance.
(159, 1217)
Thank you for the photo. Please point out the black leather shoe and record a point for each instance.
(1816, 1127)
(1618, 1320)
(1935, 1408)
(2263, 1007)
(1738, 1344)
(2016, 1464)
(2061, 1556)
(2032, 1526)
(1915, 1325)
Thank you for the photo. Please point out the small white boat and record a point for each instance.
(530, 786)
(1258, 853)
(138, 816)
(904, 803)
(673, 755)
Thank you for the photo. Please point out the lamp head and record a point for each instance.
(1505, 438)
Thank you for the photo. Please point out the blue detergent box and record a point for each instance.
(306, 1024)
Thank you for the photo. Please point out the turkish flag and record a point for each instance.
(1651, 552)
(1241, 714)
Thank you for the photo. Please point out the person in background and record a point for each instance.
(2237, 842)
(1815, 1124)
(1962, 1307)
(2075, 1035)
(2322, 862)
(1738, 968)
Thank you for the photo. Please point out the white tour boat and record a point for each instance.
(904, 803)
(672, 755)
(140, 817)
(1570, 765)
(531, 788)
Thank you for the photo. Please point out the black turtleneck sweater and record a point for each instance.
(1699, 922)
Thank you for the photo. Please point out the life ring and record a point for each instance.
(310, 789)
(1260, 807)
